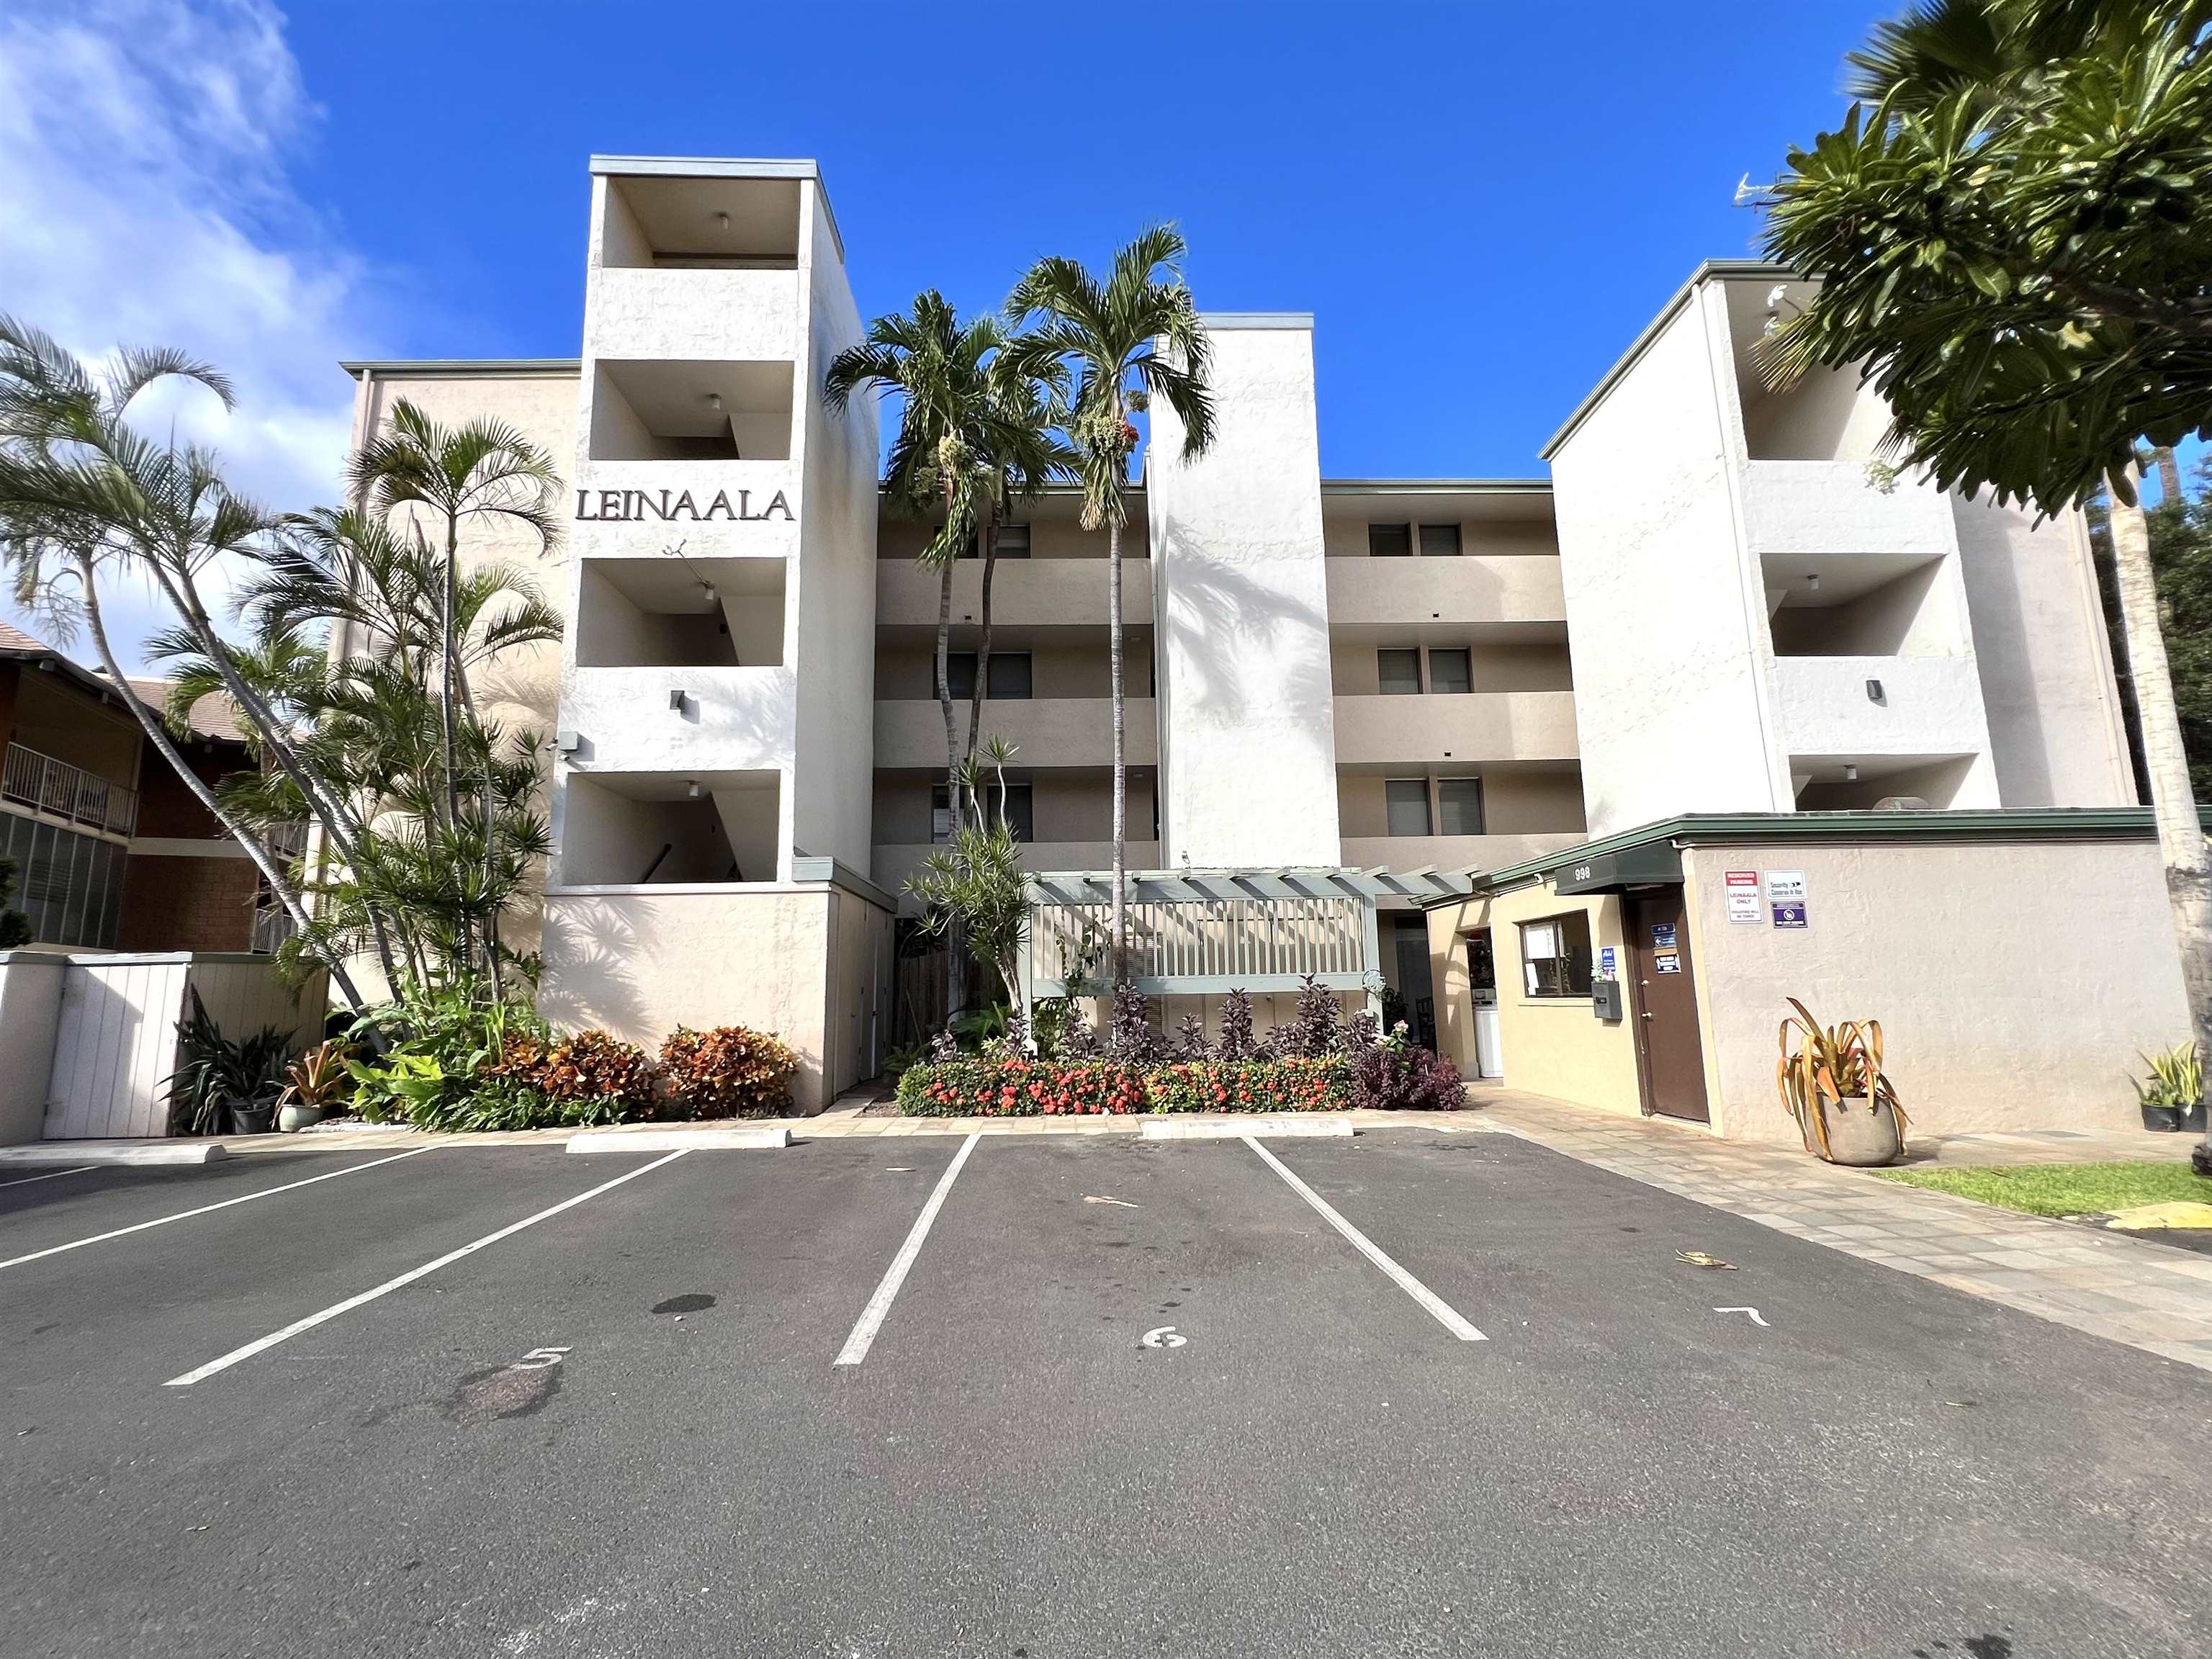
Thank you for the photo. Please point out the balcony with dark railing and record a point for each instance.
(60, 790)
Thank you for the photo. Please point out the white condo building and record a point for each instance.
(1711, 607)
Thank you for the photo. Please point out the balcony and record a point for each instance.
(1474, 726)
(1453, 852)
(694, 315)
(1047, 732)
(1024, 593)
(731, 720)
(1928, 706)
(1473, 591)
(62, 790)
(1831, 506)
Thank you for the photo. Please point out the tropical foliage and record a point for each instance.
(727, 1071)
(1824, 1067)
(2013, 245)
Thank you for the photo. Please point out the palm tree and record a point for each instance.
(82, 492)
(1132, 339)
(974, 434)
(484, 471)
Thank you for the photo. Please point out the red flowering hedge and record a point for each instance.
(1027, 1087)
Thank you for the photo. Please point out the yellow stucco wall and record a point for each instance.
(1551, 1046)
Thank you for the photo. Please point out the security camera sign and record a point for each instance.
(1785, 898)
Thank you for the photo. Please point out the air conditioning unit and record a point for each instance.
(1902, 804)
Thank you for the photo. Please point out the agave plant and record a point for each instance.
(1824, 1064)
(2176, 1080)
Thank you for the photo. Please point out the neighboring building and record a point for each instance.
(1711, 607)
(111, 850)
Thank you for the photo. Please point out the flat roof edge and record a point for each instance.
(1436, 486)
(460, 367)
(706, 166)
(1708, 271)
(1304, 319)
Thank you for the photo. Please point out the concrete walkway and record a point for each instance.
(2149, 1296)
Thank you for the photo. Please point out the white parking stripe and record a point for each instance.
(1442, 1310)
(262, 1344)
(209, 1209)
(872, 1316)
(49, 1176)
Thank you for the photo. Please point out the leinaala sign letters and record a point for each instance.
(633, 506)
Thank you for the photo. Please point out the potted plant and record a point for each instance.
(1831, 1081)
(218, 1083)
(315, 1086)
(2173, 1097)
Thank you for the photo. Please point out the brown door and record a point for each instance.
(1673, 1060)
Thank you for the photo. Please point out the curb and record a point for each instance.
(678, 1140)
(145, 1152)
(1271, 1128)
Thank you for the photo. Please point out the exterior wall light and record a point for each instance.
(676, 698)
(1851, 773)
(1874, 691)
(691, 789)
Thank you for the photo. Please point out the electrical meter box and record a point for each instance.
(1606, 998)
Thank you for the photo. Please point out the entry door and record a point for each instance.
(1673, 1060)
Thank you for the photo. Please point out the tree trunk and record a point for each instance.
(338, 827)
(956, 976)
(448, 718)
(989, 533)
(1119, 943)
(484, 807)
(2169, 477)
(2180, 837)
(158, 735)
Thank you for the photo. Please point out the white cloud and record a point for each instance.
(145, 200)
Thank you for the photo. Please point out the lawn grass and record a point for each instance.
(2064, 1188)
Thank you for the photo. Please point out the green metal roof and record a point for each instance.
(1727, 829)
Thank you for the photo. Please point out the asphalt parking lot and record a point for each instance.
(1412, 1393)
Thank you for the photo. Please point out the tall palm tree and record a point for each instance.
(1127, 340)
(81, 493)
(974, 435)
(482, 470)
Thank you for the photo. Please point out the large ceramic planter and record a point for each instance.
(249, 1120)
(1862, 1133)
(292, 1118)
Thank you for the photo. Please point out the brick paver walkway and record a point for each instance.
(2149, 1296)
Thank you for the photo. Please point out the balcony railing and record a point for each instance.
(40, 781)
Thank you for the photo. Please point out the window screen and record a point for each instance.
(1014, 541)
(1010, 674)
(1400, 672)
(1459, 806)
(1389, 541)
(1450, 671)
(1020, 810)
(1555, 956)
(1406, 802)
(1439, 541)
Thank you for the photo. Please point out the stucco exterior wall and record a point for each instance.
(1551, 1046)
(1670, 704)
(639, 962)
(1241, 590)
(2015, 983)
(31, 984)
(2044, 661)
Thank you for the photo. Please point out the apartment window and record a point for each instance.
(1440, 541)
(1405, 805)
(1399, 673)
(1010, 674)
(70, 885)
(1459, 806)
(1555, 956)
(1389, 541)
(1450, 671)
(1018, 811)
(1013, 541)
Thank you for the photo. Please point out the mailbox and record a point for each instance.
(1605, 998)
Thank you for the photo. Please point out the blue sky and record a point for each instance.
(1482, 204)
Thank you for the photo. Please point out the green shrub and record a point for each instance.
(1251, 1085)
(727, 1071)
